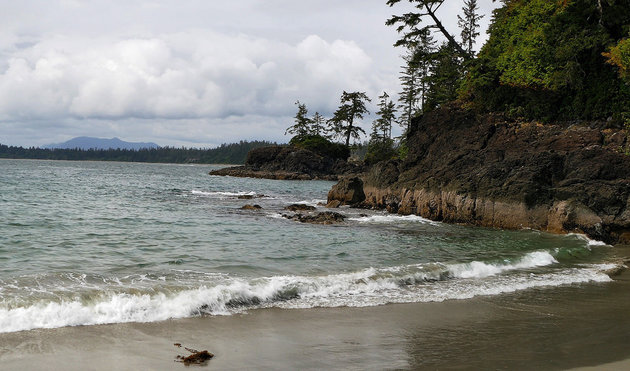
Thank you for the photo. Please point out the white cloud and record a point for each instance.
(212, 76)
(197, 72)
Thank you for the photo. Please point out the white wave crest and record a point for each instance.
(477, 269)
(589, 242)
(367, 287)
(393, 218)
(221, 194)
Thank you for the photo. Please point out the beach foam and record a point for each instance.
(224, 295)
(221, 194)
(393, 218)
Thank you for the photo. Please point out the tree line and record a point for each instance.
(234, 153)
(544, 60)
(429, 78)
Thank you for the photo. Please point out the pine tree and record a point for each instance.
(318, 125)
(413, 24)
(414, 77)
(469, 24)
(445, 76)
(301, 128)
(343, 121)
(382, 126)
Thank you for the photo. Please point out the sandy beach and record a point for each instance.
(546, 329)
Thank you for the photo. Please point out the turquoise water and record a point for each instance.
(86, 243)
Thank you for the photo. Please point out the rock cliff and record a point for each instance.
(289, 162)
(489, 171)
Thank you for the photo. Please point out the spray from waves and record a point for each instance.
(221, 194)
(314, 202)
(367, 287)
(589, 241)
(393, 218)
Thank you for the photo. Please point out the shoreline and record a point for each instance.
(546, 328)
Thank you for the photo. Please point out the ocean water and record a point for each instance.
(84, 243)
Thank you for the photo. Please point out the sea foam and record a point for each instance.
(366, 287)
(393, 218)
(221, 194)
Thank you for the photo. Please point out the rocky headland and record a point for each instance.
(290, 163)
(494, 172)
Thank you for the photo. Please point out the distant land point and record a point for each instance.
(86, 143)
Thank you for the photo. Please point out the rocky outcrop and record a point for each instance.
(251, 207)
(488, 171)
(288, 163)
(300, 207)
(349, 191)
(326, 217)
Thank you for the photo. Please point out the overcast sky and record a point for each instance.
(194, 73)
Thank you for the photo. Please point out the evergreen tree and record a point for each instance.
(382, 126)
(301, 128)
(414, 77)
(318, 125)
(445, 77)
(469, 24)
(343, 121)
(381, 145)
(413, 24)
(409, 96)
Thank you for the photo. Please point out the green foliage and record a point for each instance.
(321, 146)
(380, 149)
(386, 116)
(544, 60)
(352, 107)
(381, 145)
(234, 153)
(413, 78)
(619, 56)
(302, 123)
(445, 77)
(403, 150)
(469, 24)
(318, 125)
(411, 25)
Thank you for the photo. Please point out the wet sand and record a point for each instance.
(545, 329)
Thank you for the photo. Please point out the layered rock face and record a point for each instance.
(488, 171)
(288, 163)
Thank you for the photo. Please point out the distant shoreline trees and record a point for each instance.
(234, 153)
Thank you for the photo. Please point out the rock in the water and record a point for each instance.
(491, 171)
(349, 191)
(326, 217)
(300, 207)
(251, 207)
(333, 204)
(289, 163)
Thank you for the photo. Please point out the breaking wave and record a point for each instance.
(392, 218)
(158, 299)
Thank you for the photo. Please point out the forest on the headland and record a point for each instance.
(234, 153)
(544, 61)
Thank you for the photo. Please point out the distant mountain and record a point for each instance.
(100, 143)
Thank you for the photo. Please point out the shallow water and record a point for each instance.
(86, 243)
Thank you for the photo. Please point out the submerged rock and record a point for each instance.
(251, 207)
(300, 207)
(326, 217)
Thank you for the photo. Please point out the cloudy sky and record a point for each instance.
(195, 73)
